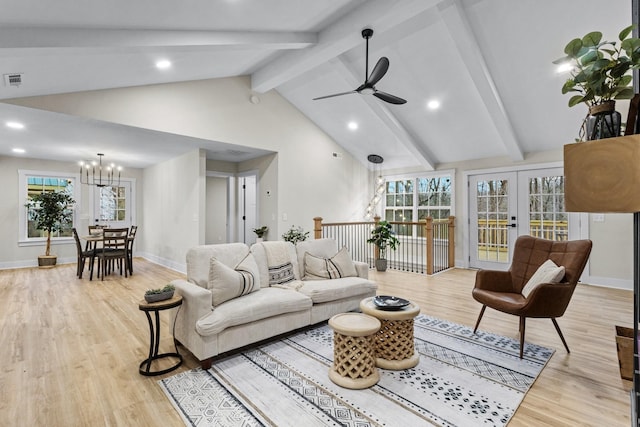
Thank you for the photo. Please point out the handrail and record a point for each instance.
(426, 246)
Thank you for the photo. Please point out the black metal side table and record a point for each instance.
(154, 334)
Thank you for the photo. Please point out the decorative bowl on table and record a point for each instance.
(160, 294)
(387, 302)
(158, 297)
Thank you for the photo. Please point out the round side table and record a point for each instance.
(395, 348)
(354, 364)
(154, 334)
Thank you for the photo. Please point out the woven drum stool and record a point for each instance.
(395, 348)
(354, 362)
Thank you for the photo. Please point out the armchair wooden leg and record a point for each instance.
(522, 326)
(560, 333)
(484, 307)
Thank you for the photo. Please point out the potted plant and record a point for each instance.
(51, 211)
(260, 232)
(383, 236)
(295, 235)
(160, 294)
(600, 75)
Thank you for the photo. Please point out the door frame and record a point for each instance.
(581, 222)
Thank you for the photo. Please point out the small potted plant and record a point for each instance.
(260, 232)
(295, 235)
(51, 211)
(383, 236)
(600, 75)
(160, 294)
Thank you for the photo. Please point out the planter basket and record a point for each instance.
(45, 261)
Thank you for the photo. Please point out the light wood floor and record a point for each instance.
(70, 348)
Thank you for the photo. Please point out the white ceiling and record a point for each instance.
(487, 61)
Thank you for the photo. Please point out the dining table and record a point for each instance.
(92, 243)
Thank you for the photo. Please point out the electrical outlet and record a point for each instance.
(284, 217)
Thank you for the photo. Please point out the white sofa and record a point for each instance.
(207, 330)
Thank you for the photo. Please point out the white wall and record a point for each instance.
(174, 201)
(216, 211)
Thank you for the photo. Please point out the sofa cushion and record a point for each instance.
(322, 248)
(260, 255)
(339, 265)
(199, 260)
(548, 272)
(321, 291)
(226, 283)
(267, 302)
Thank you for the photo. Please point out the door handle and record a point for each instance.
(513, 225)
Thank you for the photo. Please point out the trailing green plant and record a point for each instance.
(295, 235)
(167, 288)
(260, 232)
(384, 237)
(51, 211)
(600, 68)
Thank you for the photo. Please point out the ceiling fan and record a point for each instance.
(368, 87)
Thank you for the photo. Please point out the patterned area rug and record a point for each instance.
(462, 380)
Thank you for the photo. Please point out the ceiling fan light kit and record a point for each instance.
(368, 87)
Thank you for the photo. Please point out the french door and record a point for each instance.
(113, 205)
(505, 205)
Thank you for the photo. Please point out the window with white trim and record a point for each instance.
(36, 182)
(414, 199)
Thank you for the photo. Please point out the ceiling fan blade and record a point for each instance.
(335, 94)
(378, 71)
(392, 99)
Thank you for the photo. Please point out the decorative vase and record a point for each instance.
(381, 264)
(603, 121)
(259, 239)
(159, 297)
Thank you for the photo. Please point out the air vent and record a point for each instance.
(15, 79)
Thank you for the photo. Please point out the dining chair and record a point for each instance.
(114, 249)
(526, 289)
(132, 236)
(83, 255)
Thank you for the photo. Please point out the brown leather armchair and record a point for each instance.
(501, 290)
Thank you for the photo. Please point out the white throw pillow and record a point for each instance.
(548, 272)
(339, 265)
(226, 283)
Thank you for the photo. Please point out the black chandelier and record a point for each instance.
(100, 176)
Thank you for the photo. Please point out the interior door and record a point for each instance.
(493, 206)
(113, 205)
(248, 202)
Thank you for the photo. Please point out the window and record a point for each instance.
(36, 182)
(409, 200)
(547, 218)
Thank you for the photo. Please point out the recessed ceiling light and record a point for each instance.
(15, 125)
(163, 64)
(564, 67)
(352, 125)
(433, 104)
(18, 150)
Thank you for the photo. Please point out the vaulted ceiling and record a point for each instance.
(487, 62)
